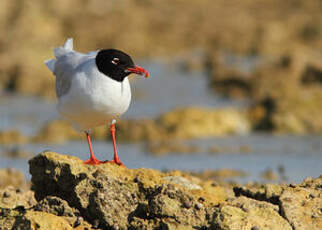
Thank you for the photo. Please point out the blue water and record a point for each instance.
(168, 88)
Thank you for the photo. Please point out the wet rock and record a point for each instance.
(16, 152)
(56, 132)
(243, 149)
(194, 122)
(227, 79)
(165, 147)
(269, 174)
(140, 130)
(59, 131)
(220, 174)
(184, 123)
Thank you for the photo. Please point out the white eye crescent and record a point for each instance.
(115, 61)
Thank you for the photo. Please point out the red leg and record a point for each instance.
(92, 160)
(116, 159)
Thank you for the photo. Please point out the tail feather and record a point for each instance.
(58, 52)
(62, 50)
(69, 44)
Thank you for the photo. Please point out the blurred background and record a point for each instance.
(235, 91)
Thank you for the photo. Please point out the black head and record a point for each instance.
(114, 64)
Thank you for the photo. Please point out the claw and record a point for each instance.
(93, 161)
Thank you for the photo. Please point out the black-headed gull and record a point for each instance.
(93, 88)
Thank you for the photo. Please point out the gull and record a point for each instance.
(93, 89)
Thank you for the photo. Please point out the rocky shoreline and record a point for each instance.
(66, 194)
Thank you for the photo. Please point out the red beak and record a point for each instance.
(139, 70)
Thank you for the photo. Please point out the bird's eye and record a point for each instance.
(115, 61)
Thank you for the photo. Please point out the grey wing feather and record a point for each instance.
(65, 65)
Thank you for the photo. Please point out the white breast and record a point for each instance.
(94, 98)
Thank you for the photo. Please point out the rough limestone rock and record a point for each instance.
(11, 197)
(299, 204)
(72, 195)
(22, 219)
(56, 206)
(114, 197)
(302, 204)
(246, 213)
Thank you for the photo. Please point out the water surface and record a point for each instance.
(168, 88)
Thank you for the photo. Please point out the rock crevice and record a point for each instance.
(72, 195)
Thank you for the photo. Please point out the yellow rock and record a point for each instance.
(12, 137)
(57, 132)
(46, 221)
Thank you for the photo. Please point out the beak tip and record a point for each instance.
(139, 70)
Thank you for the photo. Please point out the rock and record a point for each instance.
(194, 122)
(299, 204)
(56, 132)
(227, 79)
(166, 147)
(16, 152)
(11, 177)
(59, 131)
(312, 74)
(108, 195)
(12, 137)
(220, 174)
(269, 174)
(182, 181)
(245, 213)
(243, 149)
(134, 130)
(14, 219)
(71, 194)
(285, 91)
(56, 206)
(184, 123)
(304, 117)
(10, 197)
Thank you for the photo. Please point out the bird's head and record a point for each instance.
(117, 64)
